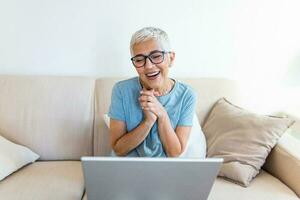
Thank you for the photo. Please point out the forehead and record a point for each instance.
(146, 47)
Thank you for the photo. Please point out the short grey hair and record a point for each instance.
(148, 33)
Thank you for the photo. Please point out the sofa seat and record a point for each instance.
(45, 180)
(263, 187)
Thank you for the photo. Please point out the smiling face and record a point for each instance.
(153, 76)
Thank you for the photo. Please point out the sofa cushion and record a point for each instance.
(242, 138)
(45, 180)
(264, 186)
(13, 157)
(51, 115)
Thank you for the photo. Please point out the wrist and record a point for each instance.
(164, 115)
(149, 122)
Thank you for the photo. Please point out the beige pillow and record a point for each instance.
(242, 138)
(13, 157)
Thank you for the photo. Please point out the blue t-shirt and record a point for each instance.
(179, 103)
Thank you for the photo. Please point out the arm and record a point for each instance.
(173, 141)
(122, 142)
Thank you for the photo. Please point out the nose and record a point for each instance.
(148, 63)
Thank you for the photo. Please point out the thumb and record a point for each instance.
(155, 93)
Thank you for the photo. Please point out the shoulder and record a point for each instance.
(186, 89)
(126, 84)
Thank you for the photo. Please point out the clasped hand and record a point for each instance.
(150, 105)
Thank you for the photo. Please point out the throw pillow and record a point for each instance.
(243, 139)
(13, 157)
(106, 119)
(196, 146)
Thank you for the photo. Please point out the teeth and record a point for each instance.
(152, 74)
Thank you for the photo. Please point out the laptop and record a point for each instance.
(123, 178)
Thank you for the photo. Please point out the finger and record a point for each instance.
(149, 98)
(147, 92)
(143, 104)
(145, 98)
(141, 99)
(147, 104)
(155, 93)
(147, 108)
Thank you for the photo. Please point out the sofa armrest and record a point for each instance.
(296, 125)
(284, 162)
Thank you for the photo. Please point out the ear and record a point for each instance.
(172, 58)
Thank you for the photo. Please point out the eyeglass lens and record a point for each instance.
(155, 58)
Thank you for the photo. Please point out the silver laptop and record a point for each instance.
(118, 178)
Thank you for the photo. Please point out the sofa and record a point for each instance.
(61, 119)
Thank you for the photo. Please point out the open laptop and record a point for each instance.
(119, 178)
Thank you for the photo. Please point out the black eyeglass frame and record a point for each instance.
(148, 56)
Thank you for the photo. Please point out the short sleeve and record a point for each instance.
(116, 108)
(188, 109)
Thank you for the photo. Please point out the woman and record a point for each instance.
(151, 115)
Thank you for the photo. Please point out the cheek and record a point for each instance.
(164, 69)
(140, 71)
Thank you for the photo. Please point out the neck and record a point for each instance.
(162, 90)
(165, 88)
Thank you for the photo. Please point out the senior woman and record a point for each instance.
(152, 114)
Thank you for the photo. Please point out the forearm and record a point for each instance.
(168, 137)
(132, 139)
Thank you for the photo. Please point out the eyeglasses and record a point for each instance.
(156, 57)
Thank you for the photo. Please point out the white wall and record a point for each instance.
(254, 41)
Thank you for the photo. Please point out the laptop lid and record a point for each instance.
(118, 178)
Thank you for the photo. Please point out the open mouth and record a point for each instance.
(152, 75)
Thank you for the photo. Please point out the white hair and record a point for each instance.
(149, 33)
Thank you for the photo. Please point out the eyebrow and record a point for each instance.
(154, 51)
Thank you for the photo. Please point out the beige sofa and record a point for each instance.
(60, 118)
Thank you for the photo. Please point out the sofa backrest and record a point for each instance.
(51, 115)
(209, 90)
